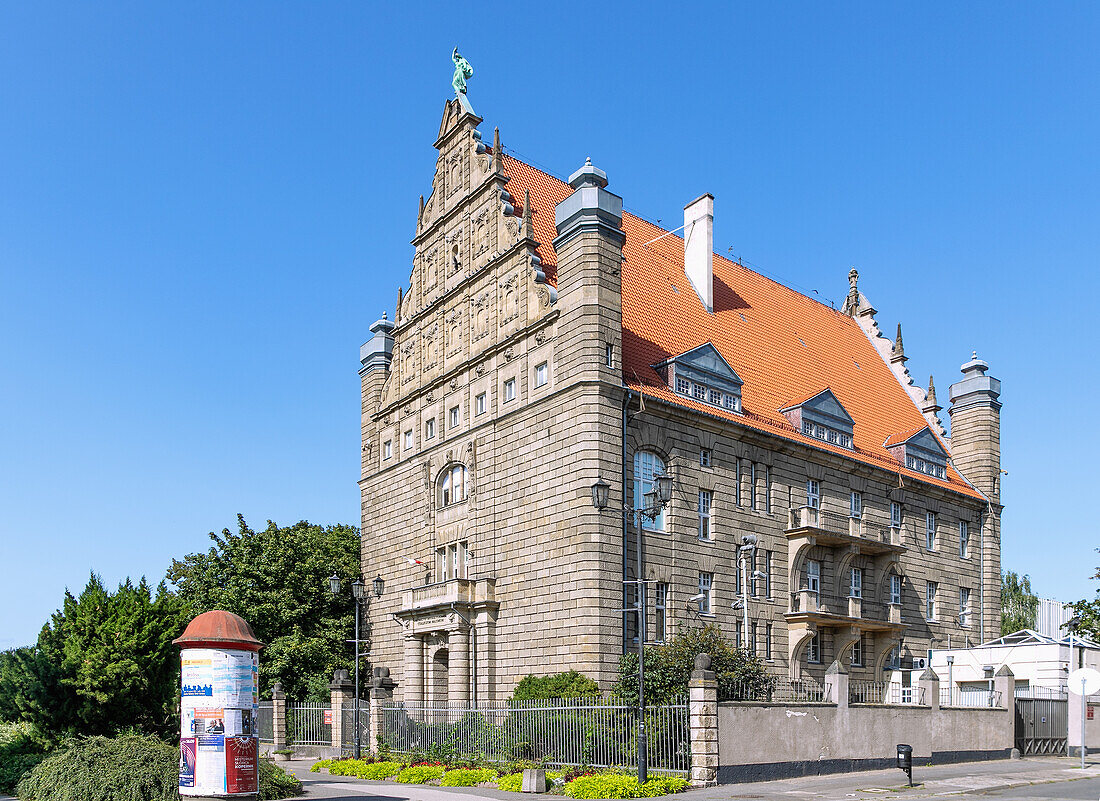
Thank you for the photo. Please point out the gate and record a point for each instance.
(1042, 726)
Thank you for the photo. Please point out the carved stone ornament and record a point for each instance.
(540, 336)
(454, 384)
(408, 410)
(481, 315)
(509, 353)
(429, 396)
(386, 420)
(509, 304)
(480, 369)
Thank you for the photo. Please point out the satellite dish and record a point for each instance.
(1084, 681)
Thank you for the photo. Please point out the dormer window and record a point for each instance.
(822, 417)
(920, 451)
(703, 375)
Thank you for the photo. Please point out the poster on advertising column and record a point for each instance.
(240, 764)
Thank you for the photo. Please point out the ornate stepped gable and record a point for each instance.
(780, 343)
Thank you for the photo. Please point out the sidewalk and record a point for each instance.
(945, 780)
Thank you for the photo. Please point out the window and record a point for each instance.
(407, 440)
(387, 449)
(699, 391)
(714, 397)
(895, 588)
(827, 434)
(813, 494)
(479, 404)
(754, 582)
(705, 533)
(704, 458)
(752, 486)
(429, 428)
(856, 505)
(452, 417)
(707, 394)
(739, 633)
(542, 373)
(737, 483)
(964, 606)
(452, 561)
(768, 641)
(753, 630)
(930, 530)
(706, 584)
(813, 576)
(964, 539)
(857, 653)
(609, 354)
(893, 661)
(855, 583)
(509, 390)
(930, 600)
(683, 386)
(647, 465)
(660, 617)
(452, 486)
(813, 651)
(636, 605)
(767, 489)
(767, 574)
(895, 514)
(926, 467)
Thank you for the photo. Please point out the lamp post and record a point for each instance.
(652, 503)
(359, 595)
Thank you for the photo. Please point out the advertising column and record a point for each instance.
(219, 705)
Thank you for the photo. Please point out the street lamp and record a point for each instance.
(359, 594)
(652, 503)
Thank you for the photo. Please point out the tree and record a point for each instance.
(1088, 613)
(277, 580)
(668, 667)
(557, 685)
(1019, 604)
(104, 662)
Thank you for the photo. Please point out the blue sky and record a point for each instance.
(204, 205)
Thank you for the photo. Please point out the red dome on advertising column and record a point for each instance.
(219, 629)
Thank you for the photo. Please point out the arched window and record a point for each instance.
(647, 464)
(452, 485)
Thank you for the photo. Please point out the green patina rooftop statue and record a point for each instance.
(463, 70)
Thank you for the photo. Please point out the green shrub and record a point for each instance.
(20, 751)
(321, 763)
(614, 785)
(557, 685)
(379, 770)
(420, 774)
(513, 782)
(131, 767)
(468, 777)
(274, 782)
(668, 668)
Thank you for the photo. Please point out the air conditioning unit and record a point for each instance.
(920, 663)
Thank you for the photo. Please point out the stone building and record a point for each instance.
(548, 340)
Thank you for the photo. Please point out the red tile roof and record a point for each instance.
(784, 346)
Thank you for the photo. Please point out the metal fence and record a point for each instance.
(561, 732)
(969, 697)
(1055, 693)
(347, 728)
(265, 722)
(906, 696)
(867, 692)
(782, 691)
(305, 724)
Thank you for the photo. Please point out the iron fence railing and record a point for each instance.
(906, 696)
(867, 692)
(969, 697)
(781, 691)
(265, 722)
(305, 724)
(560, 732)
(1055, 693)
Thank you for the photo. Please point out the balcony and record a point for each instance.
(808, 606)
(445, 593)
(835, 530)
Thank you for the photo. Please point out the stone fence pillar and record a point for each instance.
(278, 717)
(703, 723)
(1004, 683)
(836, 684)
(929, 689)
(342, 690)
(381, 695)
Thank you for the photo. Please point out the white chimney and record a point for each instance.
(699, 247)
